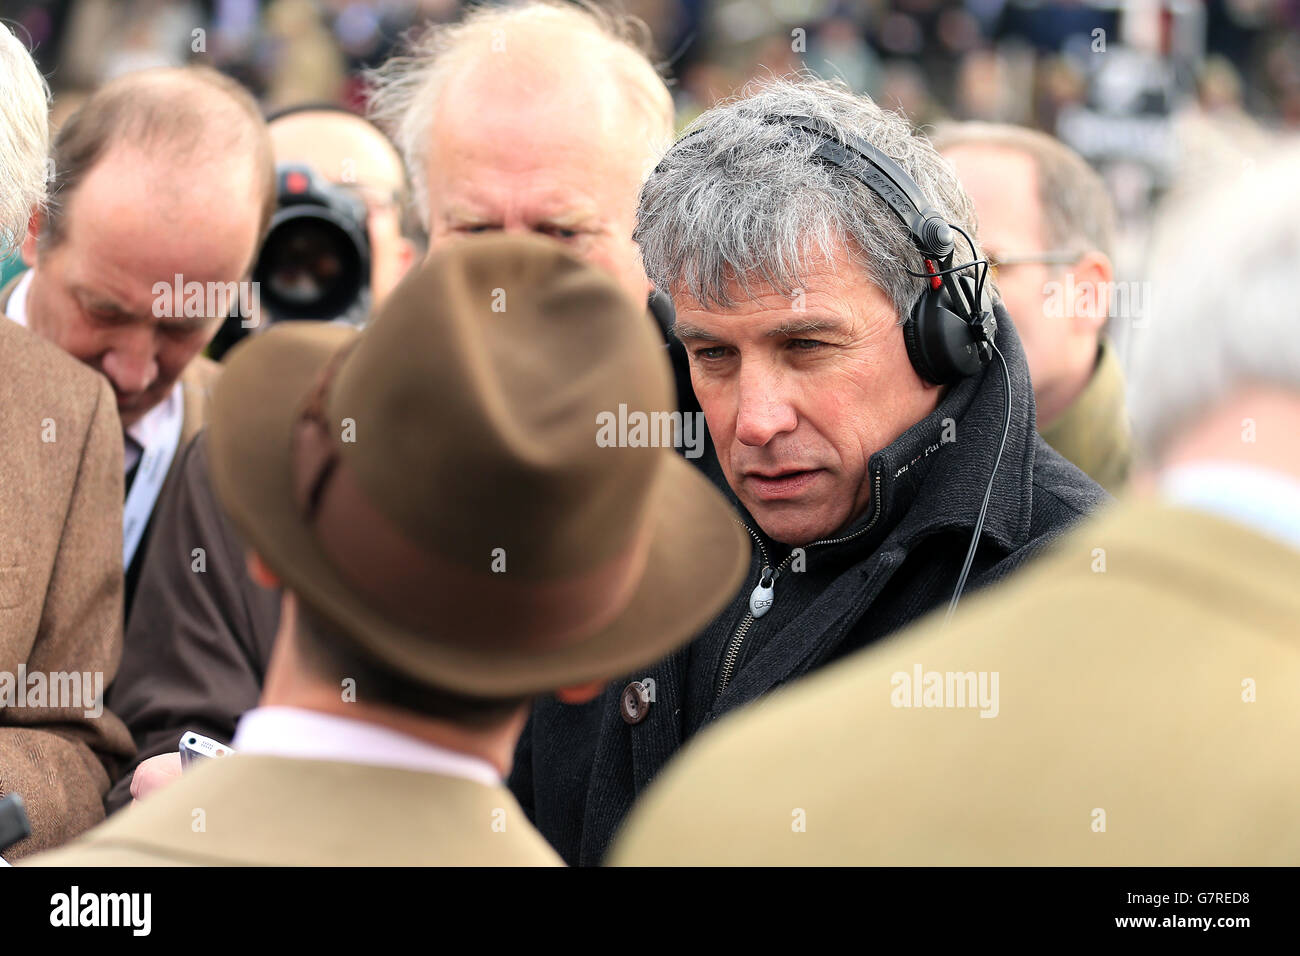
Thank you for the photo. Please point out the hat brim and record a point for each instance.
(698, 555)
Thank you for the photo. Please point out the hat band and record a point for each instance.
(426, 592)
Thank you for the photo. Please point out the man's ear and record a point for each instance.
(261, 573)
(1090, 304)
(580, 693)
(34, 226)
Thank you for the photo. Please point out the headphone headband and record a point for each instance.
(884, 177)
(929, 230)
(951, 331)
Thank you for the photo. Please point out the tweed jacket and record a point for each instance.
(60, 586)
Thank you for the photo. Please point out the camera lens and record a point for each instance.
(310, 268)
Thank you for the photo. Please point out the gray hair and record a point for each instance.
(24, 140)
(402, 94)
(743, 199)
(1224, 312)
(1077, 212)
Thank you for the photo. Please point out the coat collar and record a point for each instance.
(1093, 431)
(933, 477)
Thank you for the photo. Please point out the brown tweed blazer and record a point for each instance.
(60, 581)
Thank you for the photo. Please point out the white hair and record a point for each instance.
(402, 94)
(24, 140)
(742, 200)
(1224, 312)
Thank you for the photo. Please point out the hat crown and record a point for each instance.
(382, 475)
(469, 410)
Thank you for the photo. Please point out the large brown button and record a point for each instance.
(635, 702)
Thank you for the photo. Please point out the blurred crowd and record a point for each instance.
(1157, 94)
(447, 416)
(1021, 61)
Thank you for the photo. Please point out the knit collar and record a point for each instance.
(933, 478)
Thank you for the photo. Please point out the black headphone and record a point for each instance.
(951, 329)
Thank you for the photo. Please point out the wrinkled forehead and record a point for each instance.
(834, 296)
(531, 170)
(583, 121)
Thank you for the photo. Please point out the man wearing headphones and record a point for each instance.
(1149, 710)
(870, 409)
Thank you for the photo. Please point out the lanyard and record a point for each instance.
(150, 474)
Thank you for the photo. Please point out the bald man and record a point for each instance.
(348, 151)
(535, 117)
(1047, 222)
(165, 185)
(159, 696)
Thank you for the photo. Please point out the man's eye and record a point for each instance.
(712, 353)
(557, 232)
(806, 345)
(478, 227)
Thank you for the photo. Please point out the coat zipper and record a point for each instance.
(738, 638)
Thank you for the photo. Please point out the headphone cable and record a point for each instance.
(979, 523)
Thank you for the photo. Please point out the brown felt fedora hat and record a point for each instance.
(434, 486)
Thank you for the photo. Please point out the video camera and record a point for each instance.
(315, 261)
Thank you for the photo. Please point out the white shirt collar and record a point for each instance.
(16, 309)
(1262, 499)
(311, 735)
(152, 424)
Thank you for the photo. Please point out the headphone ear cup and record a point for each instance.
(912, 339)
(940, 343)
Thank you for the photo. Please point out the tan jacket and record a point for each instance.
(60, 582)
(1146, 714)
(250, 810)
(1094, 431)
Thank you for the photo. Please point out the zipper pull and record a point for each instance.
(760, 599)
